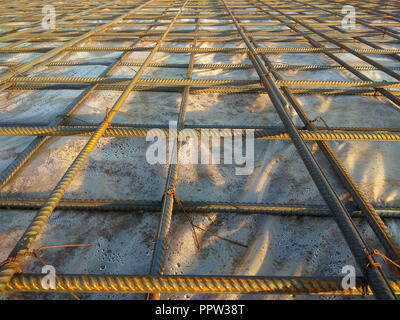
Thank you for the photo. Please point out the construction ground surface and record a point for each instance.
(76, 103)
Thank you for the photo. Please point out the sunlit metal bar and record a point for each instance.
(199, 89)
(201, 207)
(211, 82)
(189, 284)
(269, 134)
(205, 50)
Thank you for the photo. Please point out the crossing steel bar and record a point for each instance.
(188, 284)
(201, 89)
(199, 82)
(204, 66)
(190, 207)
(271, 133)
(39, 28)
(201, 50)
(161, 241)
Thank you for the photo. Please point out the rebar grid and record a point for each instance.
(314, 23)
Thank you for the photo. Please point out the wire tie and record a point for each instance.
(175, 197)
(34, 253)
(371, 262)
(172, 193)
(14, 262)
(319, 118)
(107, 114)
(13, 71)
(64, 117)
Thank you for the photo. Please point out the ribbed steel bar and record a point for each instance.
(323, 134)
(214, 24)
(37, 224)
(190, 207)
(345, 177)
(201, 89)
(235, 50)
(68, 33)
(204, 66)
(162, 81)
(245, 14)
(189, 284)
(309, 132)
(211, 82)
(203, 50)
(161, 241)
(378, 280)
